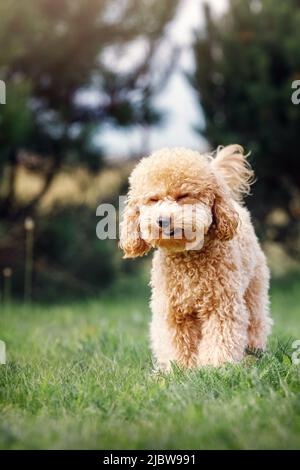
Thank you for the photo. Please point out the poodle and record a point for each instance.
(209, 276)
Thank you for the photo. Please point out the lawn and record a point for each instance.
(79, 375)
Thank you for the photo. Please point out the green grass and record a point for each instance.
(80, 376)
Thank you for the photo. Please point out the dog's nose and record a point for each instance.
(163, 222)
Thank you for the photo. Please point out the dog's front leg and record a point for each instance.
(174, 337)
(185, 328)
(224, 333)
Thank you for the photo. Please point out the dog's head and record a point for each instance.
(178, 198)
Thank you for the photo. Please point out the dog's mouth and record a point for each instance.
(180, 234)
(176, 239)
(173, 232)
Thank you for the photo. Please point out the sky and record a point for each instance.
(178, 98)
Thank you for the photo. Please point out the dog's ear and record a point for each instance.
(130, 239)
(232, 164)
(225, 218)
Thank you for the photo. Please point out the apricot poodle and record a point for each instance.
(209, 277)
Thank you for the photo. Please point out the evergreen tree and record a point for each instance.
(54, 50)
(246, 62)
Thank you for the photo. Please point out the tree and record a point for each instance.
(55, 50)
(246, 62)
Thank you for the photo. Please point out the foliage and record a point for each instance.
(56, 53)
(246, 62)
(64, 65)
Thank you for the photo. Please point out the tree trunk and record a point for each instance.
(29, 208)
(8, 202)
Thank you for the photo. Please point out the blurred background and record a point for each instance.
(93, 85)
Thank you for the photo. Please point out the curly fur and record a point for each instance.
(209, 282)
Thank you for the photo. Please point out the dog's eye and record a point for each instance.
(181, 197)
(153, 199)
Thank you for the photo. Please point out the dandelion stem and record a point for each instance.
(7, 275)
(29, 227)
